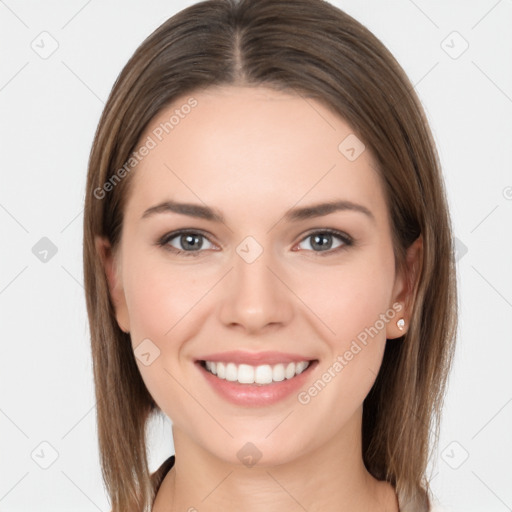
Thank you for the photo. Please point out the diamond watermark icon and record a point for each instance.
(45, 45)
(455, 455)
(249, 455)
(454, 45)
(44, 455)
(351, 147)
(461, 249)
(249, 249)
(44, 250)
(146, 352)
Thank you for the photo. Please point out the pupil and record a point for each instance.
(189, 238)
(320, 241)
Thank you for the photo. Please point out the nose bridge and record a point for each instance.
(255, 296)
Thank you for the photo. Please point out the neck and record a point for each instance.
(331, 477)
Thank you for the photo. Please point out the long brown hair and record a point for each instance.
(306, 47)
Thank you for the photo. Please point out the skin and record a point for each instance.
(254, 153)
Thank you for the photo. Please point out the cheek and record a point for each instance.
(351, 296)
(353, 300)
(158, 295)
(164, 301)
(160, 300)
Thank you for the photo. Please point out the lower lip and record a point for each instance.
(254, 395)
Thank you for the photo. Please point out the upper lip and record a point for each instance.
(255, 358)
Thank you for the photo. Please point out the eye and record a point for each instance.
(322, 241)
(187, 243)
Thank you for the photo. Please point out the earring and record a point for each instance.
(401, 324)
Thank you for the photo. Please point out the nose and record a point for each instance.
(256, 296)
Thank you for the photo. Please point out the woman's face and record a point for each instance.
(276, 280)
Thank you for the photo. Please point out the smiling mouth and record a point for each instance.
(260, 375)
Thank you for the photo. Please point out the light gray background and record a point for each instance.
(49, 111)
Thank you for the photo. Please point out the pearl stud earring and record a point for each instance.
(401, 324)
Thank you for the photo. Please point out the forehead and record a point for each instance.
(246, 147)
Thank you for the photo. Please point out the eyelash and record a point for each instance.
(164, 241)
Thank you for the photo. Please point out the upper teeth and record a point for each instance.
(263, 374)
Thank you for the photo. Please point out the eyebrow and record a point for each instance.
(293, 215)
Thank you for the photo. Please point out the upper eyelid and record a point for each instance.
(174, 234)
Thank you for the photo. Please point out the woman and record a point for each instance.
(268, 261)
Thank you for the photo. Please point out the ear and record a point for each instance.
(404, 289)
(112, 269)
